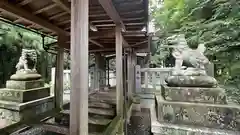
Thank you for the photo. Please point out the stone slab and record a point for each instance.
(24, 95)
(191, 81)
(25, 76)
(19, 111)
(198, 114)
(194, 94)
(162, 128)
(23, 85)
(173, 129)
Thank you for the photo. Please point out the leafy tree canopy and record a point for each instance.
(216, 23)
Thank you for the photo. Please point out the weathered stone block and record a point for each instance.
(24, 95)
(23, 85)
(25, 76)
(191, 81)
(194, 94)
(199, 114)
(176, 129)
(18, 111)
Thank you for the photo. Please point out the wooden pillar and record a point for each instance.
(79, 68)
(146, 79)
(134, 63)
(97, 71)
(108, 74)
(58, 89)
(119, 74)
(130, 74)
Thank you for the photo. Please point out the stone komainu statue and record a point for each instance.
(181, 51)
(27, 61)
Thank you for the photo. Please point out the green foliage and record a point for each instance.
(216, 23)
(12, 40)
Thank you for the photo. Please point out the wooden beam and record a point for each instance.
(23, 14)
(58, 89)
(79, 67)
(111, 25)
(125, 43)
(112, 12)
(58, 15)
(139, 43)
(64, 22)
(17, 21)
(25, 2)
(123, 19)
(111, 34)
(96, 43)
(93, 27)
(31, 26)
(102, 50)
(38, 11)
(119, 75)
(45, 8)
(63, 5)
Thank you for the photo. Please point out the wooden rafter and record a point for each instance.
(112, 12)
(23, 14)
(111, 34)
(111, 25)
(45, 8)
(63, 5)
(25, 2)
(67, 8)
(124, 19)
(64, 22)
(96, 43)
(139, 43)
(125, 43)
(58, 15)
(38, 12)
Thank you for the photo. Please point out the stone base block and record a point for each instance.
(191, 81)
(19, 111)
(24, 95)
(173, 129)
(198, 114)
(23, 85)
(194, 94)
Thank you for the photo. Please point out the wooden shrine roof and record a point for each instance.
(52, 17)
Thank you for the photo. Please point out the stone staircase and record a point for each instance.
(101, 111)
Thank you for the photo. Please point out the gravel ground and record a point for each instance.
(36, 131)
(140, 123)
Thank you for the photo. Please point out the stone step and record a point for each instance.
(199, 114)
(99, 121)
(97, 124)
(102, 112)
(97, 104)
(95, 111)
(107, 100)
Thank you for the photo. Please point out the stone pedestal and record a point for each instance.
(22, 99)
(195, 101)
